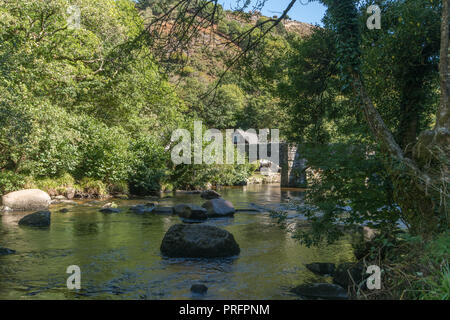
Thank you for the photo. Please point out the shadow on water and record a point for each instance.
(119, 253)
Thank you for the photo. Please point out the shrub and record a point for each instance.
(54, 186)
(104, 152)
(149, 165)
(10, 181)
(352, 189)
(93, 187)
(120, 187)
(222, 28)
(187, 71)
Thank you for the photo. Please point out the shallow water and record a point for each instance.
(119, 253)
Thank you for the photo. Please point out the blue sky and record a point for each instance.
(310, 13)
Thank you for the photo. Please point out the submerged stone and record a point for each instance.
(5, 251)
(199, 288)
(210, 194)
(109, 210)
(190, 212)
(37, 219)
(142, 208)
(326, 291)
(218, 208)
(321, 268)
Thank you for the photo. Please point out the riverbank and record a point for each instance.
(68, 188)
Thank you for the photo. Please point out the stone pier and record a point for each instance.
(292, 167)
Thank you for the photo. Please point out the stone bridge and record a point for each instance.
(292, 165)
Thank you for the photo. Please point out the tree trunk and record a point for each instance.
(442, 116)
(420, 182)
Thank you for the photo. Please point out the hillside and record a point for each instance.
(237, 103)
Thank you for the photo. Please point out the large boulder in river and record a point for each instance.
(24, 200)
(326, 291)
(37, 219)
(210, 194)
(198, 241)
(217, 208)
(190, 211)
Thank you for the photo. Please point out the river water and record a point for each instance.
(119, 254)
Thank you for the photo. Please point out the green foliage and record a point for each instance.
(348, 187)
(10, 181)
(149, 168)
(436, 286)
(224, 111)
(311, 89)
(54, 185)
(67, 105)
(198, 177)
(104, 152)
(440, 288)
(93, 187)
(400, 64)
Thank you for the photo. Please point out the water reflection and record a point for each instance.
(120, 259)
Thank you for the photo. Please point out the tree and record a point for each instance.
(420, 181)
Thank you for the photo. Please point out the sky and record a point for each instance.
(309, 13)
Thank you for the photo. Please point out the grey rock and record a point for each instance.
(326, 291)
(37, 219)
(198, 241)
(70, 193)
(142, 208)
(163, 210)
(151, 204)
(192, 221)
(5, 251)
(29, 199)
(321, 268)
(109, 205)
(199, 289)
(217, 208)
(65, 210)
(210, 194)
(109, 210)
(190, 212)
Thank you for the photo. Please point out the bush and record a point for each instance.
(104, 152)
(187, 71)
(93, 187)
(149, 166)
(120, 187)
(351, 188)
(222, 28)
(10, 181)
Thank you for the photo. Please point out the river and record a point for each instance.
(119, 255)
